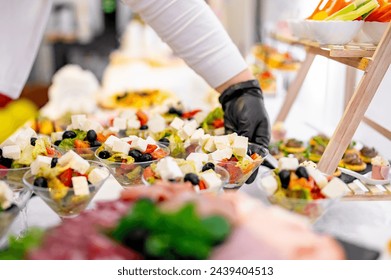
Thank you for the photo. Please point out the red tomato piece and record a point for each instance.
(66, 177)
(50, 151)
(148, 173)
(80, 144)
(202, 185)
(254, 156)
(142, 117)
(190, 114)
(158, 154)
(218, 123)
(150, 148)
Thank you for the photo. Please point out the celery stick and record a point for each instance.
(349, 8)
(359, 12)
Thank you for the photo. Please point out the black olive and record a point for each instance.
(144, 127)
(208, 166)
(104, 155)
(172, 180)
(301, 172)
(54, 162)
(69, 134)
(175, 111)
(164, 141)
(136, 154)
(41, 182)
(32, 141)
(95, 144)
(57, 143)
(7, 162)
(285, 177)
(91, 135)
(192, 178)
(146, 157)
(1, 153)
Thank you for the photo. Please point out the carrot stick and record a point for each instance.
(386, 17)
(317, 10)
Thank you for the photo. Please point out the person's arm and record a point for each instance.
(22, 24)
(195, 34)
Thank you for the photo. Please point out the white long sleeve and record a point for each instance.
(195, 34)
(22, 24)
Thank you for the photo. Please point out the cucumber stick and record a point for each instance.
(353, 10)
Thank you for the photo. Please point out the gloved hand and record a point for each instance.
(245, 114)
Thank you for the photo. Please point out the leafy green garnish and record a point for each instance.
(19, 247)
(177, 148)
(216, 114)
(170, 235)
(68, 144)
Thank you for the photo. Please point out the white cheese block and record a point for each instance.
(28, 132)
(210, 145)
(177, 123)
(211, 179)
(23, 141)
(150, 141)
(318, 177)
(121, 147)
(78, 121)
(97, 175)
(128, 114)
(204, 139)
(6, 195)
(187, 143)
(80, 185)
(12, 152)
(199, 159)
(200, 116)
(188, 130)
(56, 136)
(134, 124)
(129, 138)
(232, 137)
(156, 124)
(10, 141)
(67, 158)
(221, 142)
(335, 188)
(92, 125)
(41, 161)
(221, 154)
(219, 131)
(113, 129)
(79, 164)
(288, 163)
(269, 184)
(197, 135)
(139, 144)
(240, 146)
(120, 123)
(193, 124)
(168, 169)
(110, 141)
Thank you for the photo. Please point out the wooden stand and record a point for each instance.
(373, 61)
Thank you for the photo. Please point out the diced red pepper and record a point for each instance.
(66, 177)
(202, 185)
(190, 114)
(148, 173)
(80, 144)
(158, 154)
(50, 151)
(142, 117)
(218, 123)
(254, 156)
(150, 148)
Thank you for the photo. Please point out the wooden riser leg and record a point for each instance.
(350, 84)
(295, 87)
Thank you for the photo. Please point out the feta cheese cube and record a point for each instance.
(56, 136)
(269, 185)
(139, 144)
(134, 124)
(197, 135)
(212, 181)
(177, 123)
(200, 116)
(6, 195)
(129, 138)
(12, 152)
(219, 131)
(240, 146)
(22, 141)
(187, 143)
(39, 162)
(210, 145)
(10, 141)
(232, 137)
(92, 125)
(97, 175)
(110, 141)
(204, 139)
(121, 147)
(113, 129)
(318, 177)
(199, 159)
(221, 154)
(335, 188)
(80, 185)
(168, 169)
(188, 130)
(193, 124)
(78, 121)
(67, 158)
(79, 164)
(221, 142)
(156, 124)
(150, 141)
(28, 132)
(128, 114)
(288, 163)
(120, 123)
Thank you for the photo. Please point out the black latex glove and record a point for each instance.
(245, 114)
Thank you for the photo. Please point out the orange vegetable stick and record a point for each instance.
(317, 9)
(337, 5)
(379, 12)
(386, 17)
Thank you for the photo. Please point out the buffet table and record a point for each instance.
(365, 223)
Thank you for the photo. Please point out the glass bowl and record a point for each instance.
(312, 209)
(66, 205)
(224, 176)
(85, 153)
(239, 176)
(129, 174)
(21, 195)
